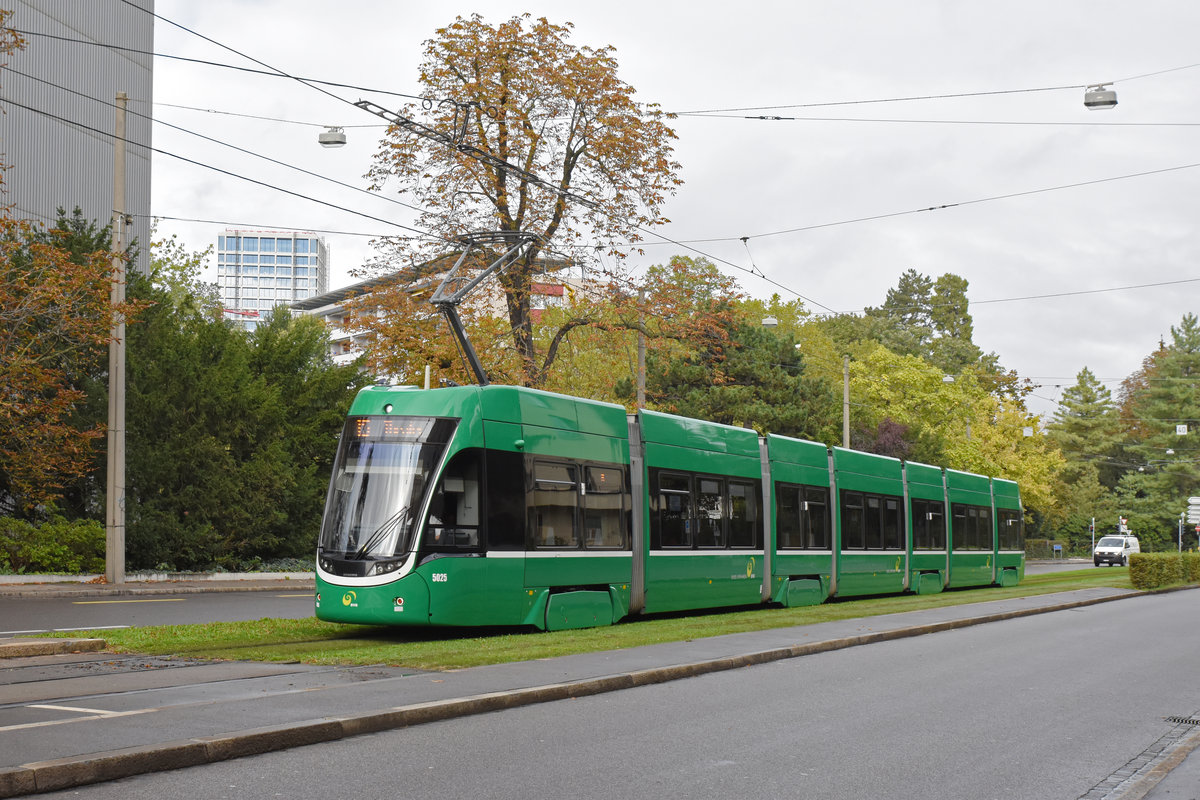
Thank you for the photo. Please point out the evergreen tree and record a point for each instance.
(1087, 429)
(920, 317)
(1161, 399)
(231, 435)
(753, 380)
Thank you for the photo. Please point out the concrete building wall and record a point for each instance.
(60, 153)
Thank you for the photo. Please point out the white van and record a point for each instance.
(1115, 550)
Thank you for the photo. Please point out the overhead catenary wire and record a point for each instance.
(396, 119)
(223, 143)
(876, 101)
(269, 71)
(263, 118)
(248, 179)
(758, 273)
(896, 120)
(754, 271)
(272, 72)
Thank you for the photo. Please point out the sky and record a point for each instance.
(1075, 228)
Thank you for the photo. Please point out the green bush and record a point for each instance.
(70, 547)
(1154, 570)
(1191, 567)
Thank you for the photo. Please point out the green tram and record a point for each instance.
(500, 505)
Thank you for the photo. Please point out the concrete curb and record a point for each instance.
(1155, 776)
(38, 579)
(157, 587)
(22, 648)
(73, 771)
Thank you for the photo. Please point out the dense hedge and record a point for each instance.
(1153, 570)
(57, 545)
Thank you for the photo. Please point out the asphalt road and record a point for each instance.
(26, 615)
(1046, 706)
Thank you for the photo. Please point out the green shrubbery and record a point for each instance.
(1155, 570)
(57, 545)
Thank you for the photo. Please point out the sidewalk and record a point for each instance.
(152, 583)
(267, 712)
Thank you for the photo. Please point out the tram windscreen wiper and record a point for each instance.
(382, 532)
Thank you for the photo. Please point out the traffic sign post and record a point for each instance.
(1193, 518)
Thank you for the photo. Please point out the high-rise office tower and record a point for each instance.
(258, 270)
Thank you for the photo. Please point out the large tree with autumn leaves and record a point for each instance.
(535, 135)
(55, 319)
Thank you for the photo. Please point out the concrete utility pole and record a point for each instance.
(846, 401)
(114, 534)
(641, 365)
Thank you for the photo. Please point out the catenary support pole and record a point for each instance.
(845, 401)
(641, 350)
(114, 534)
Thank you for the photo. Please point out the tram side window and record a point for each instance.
(960, 521)
(674, 510)
(704, 511)
(1012, 530)
(803, 513)
(505, 517)
(454, 513)
(893, 538)
(743, 514)
(816, 518)
(603, 509)
(929, 525)
(972, 527)
(873, 523)
(552, 505)
(853, 531)
(710, 512)
(789, 525)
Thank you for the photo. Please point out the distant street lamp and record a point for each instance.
(332, 137)
(1099, 97)
(950, 379)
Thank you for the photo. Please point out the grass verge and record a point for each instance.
(311, 641)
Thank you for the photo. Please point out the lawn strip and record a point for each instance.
(315, 642)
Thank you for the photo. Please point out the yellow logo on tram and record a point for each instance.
(348, 598)
(750, 568)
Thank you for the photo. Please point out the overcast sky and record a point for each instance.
(990, 158)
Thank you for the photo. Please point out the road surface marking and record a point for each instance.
(104, 715)
(109, 602)
(99, 711)
(66, 630)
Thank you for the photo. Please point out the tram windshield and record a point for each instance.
(383, 469)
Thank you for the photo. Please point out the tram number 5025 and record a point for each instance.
(440, 577)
